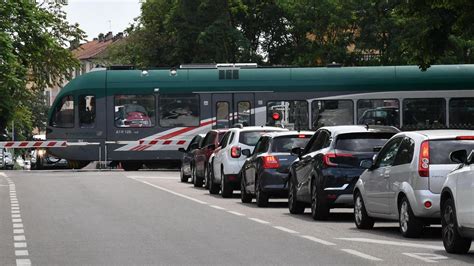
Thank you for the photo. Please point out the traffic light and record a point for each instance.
(276, 116)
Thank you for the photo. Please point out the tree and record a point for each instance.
(33, 53)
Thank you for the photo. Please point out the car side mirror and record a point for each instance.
(367, 164)
(297, 151)
(246, 152)
(459, 156)
(194, 146)
(181, 150)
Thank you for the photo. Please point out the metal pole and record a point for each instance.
(105, 147)
(100, 157)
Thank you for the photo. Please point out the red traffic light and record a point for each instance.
(276, 116)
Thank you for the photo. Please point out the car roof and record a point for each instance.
(288, 133)
(442, 133)
(336, 130)
(255, 128)
(220, 130)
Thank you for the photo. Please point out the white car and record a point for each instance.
(228, 160)
(457, 204)
(404, 181)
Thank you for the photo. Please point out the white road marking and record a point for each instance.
(154, 177)
(320, 241)
(393, 243)
(15, 211)
(15, 208)
(14, 205)
(362, 255)
(217, 207)
(284, 229)
(19, 238)
(23, 262)
(259, 221)
(169, 191)
(18, 231)
(20, 244)
(16, 215)
(17, 221)
(3, 174)
(21, 253)
(426, 257)
(17, 225)
(236, 213)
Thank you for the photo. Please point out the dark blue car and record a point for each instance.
(265, 172)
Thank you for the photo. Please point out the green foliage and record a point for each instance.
(301, 32)
(33, 56)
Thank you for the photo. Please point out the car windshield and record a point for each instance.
(250, 138)
(286, 143)
(361, 142)
(440, 150)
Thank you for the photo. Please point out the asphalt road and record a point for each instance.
(149, 217)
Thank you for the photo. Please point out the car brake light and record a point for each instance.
(301, 136)
(328, 157)
(270, 162)
(235, 152)
(465, 138)
(424, 160)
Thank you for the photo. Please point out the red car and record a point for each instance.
(201, 157)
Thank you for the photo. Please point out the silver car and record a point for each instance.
(405, 179)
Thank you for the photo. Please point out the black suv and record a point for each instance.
(328, 167)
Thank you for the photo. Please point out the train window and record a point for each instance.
(461, 113)
(384, 112)
(87, 111)
(243, 109)
(293, 114)
(179, 110)
(63, 115)
(134, 110)
(424, 113)
(222, 115)
(332, 113)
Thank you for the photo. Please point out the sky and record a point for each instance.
(102, 16)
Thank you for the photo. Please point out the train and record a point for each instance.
(119, 109)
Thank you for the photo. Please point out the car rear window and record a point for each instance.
(441, 149)
(250, 138)
(286, 143)
(362, 142)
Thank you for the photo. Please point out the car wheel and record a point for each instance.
(410, 226)
(319, 208)
(226, 190)
(452, 240)
(183, 177)
(244, 196)
(213, 187)
(294, 206)
(260, 197)
(361, 218)
(206, 178)
(197, 180)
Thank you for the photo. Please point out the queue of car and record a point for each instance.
(417, 178)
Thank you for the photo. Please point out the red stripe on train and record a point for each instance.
(184, 130)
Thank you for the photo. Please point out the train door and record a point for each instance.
(231, 108)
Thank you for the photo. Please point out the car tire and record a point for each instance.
(226, 189)
(260, 197)
(184, 178)
(294, 206)
(361, 218)
(319, 208)
(197, 180)
(410, 226)
(213, 187)
(206, 178)
(244, 196)
(453, 242)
